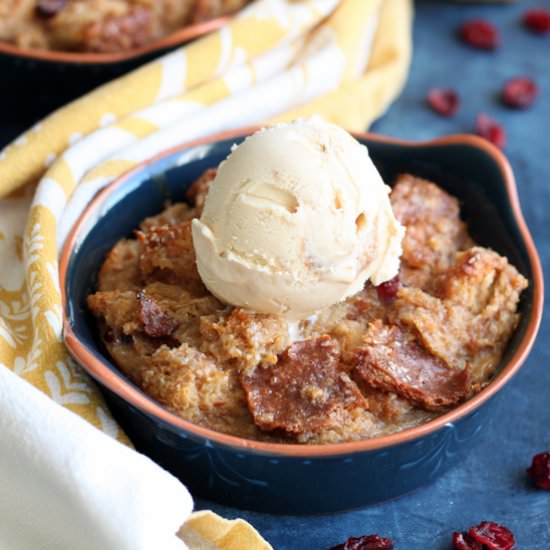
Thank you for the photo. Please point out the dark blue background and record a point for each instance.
(491, 483)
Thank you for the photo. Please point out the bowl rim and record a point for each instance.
(99, 370)
(176, 38)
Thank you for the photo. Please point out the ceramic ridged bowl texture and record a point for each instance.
(290, 478)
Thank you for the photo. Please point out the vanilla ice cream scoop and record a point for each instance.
(297, 219)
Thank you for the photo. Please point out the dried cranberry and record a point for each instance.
(444, 101)
(519, 93)
(491, 130)
(388, 291)
(537, 20)
(539, 471)
(49, 8)
(492, 536)
(156, 323)
(366, 542)
(481, 34)
(463, 541)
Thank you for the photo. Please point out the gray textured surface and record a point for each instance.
(491, 483)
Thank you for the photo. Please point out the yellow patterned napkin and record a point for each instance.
(278, 60)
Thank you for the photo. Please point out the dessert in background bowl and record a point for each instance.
(73, 46)
(102, 26)
(374, 386)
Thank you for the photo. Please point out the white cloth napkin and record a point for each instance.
(64, 485)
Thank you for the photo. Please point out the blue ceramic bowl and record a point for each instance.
(291, 478)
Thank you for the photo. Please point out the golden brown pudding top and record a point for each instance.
(386, 359)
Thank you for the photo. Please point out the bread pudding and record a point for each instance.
(387, 358)
(102, 26)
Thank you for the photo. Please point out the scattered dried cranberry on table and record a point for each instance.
(366, 542)
(463, 541)
(491, 130)
(519, 93)
(480, 34)
(488, 535)
(537, 20)
(539, 471)
(444, 101)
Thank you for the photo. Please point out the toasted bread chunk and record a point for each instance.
(196, 194)
(387, 406)
(119, 309)
(158, 310)
(470, 323)
(478, 277)
(434, 231)
(244, 337)
(191, 383)
(167, 255)
(173, 214)
(132, 29)
(120, 270)
(203, 10)
(183, 309)
(390, 359)
(440, 326)
(129, 359)
(302, 390)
